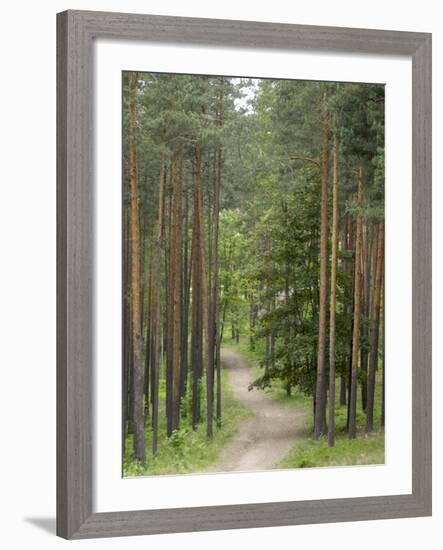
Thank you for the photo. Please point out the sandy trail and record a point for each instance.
(263, 440)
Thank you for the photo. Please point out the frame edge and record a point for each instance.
(75, 520)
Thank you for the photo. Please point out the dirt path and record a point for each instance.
(263, 440)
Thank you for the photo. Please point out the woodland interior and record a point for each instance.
(253, 273)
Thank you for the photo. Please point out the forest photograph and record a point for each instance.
(252, 274)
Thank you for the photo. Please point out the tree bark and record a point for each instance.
(148, 324)
(126, 322)
(139, 433)
(185, 307)
(320, 392)
(332, 302)
(175, 260)
(169, 329)
(156, 309)
(366, 272)
(216, 280)
(352, 430)
(375, 329)
(350, 306)
(197, 294)
(344, 246)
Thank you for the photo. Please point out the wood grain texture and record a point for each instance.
(62, 365)
(76, 31)
(422, 272)
(74, 289)
(193, 30)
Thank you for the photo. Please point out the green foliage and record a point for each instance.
(271, 141)
(271, 270)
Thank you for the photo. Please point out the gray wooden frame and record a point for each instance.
(76, 31)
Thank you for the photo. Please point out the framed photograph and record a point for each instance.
(243, 274)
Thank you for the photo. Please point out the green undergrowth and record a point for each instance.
(307, 452)
(186, 451)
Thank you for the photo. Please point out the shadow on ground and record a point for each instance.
(45, 524)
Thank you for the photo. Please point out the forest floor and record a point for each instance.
(262, 429)
(263, 440)
(187, 451)
(305, 452)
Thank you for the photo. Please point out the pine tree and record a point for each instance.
(137, 367)
(352, 429)
(320, 392)
(333, 293)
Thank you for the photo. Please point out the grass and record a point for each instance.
(309, 453)
(187, 451)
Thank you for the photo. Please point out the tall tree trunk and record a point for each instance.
(375, 328)
(344, 246)
(288, 334)
(175, 260)
(366, 273)
(197, 294)
(130, 408)
(144, 245)
(210, 348)
(185, 308)
(320, 391)
(126, 323)
(206, 331)
(169, 329)
(148, 323)
(332, 302)
(216, 277)
(350, 308)
(156, 308)
(352, 431)
(216, 288)
(139, 433)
